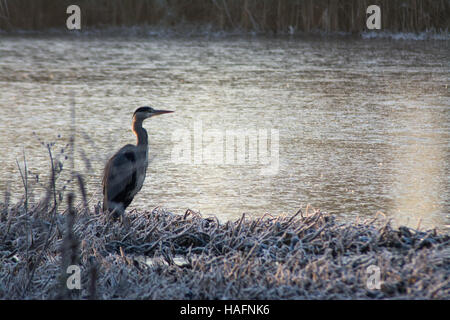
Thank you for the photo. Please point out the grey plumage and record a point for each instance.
(125, 172)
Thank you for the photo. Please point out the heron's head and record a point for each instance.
(147, 112)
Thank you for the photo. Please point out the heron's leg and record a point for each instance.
(125, 220)
(117, 211)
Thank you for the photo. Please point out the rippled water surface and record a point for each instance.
(352, 126)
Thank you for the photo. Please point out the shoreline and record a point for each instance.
(207, 32)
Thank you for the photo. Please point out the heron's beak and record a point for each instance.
(158, 112)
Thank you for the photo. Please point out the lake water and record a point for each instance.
(350, 126)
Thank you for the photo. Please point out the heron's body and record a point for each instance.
(126, 170)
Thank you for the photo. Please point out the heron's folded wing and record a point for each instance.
(120, 175)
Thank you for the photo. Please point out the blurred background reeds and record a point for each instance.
(261, 16)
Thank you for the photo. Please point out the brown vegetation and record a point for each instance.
(263, 16)
(159, 255)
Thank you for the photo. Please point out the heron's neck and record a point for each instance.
(140, 132)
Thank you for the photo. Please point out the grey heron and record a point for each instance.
(125, 172)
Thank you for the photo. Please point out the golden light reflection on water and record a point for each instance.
(419, 172)
(417, 194)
